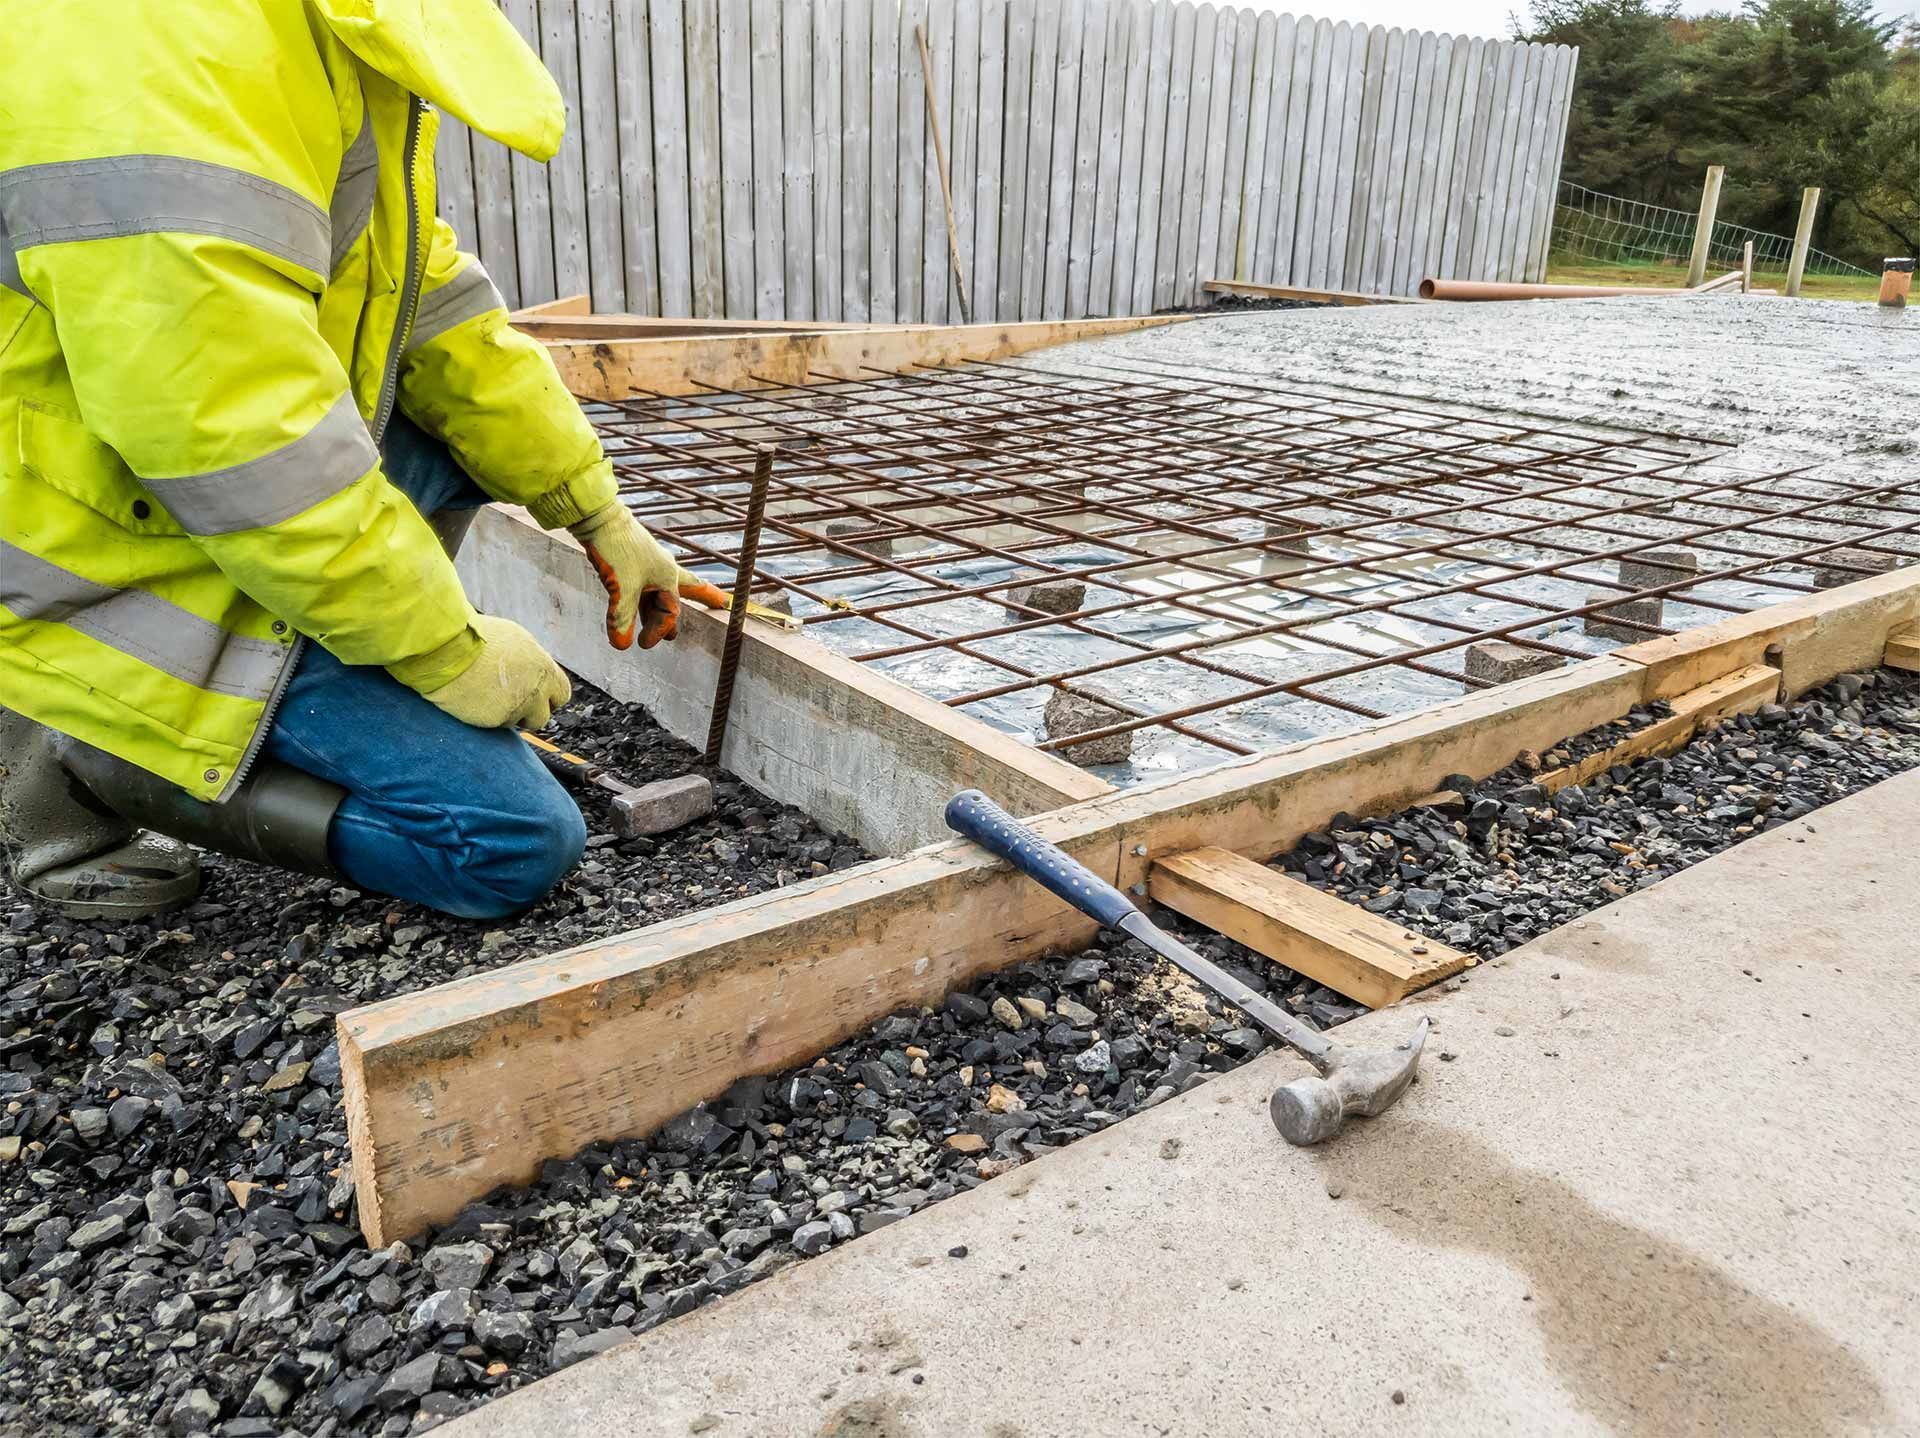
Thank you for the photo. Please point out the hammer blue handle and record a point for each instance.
(978, 818)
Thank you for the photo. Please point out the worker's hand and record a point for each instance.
(513, 681)
(644, 583)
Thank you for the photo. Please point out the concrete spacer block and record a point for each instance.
(663, 805)
(1643, 611)
(1828, 574)
(1281, 527)
(1658, 566)
(1053, 596)
(1499, 662)
(1070, 714)
(882, 547)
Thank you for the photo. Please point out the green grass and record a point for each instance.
(1568, 270)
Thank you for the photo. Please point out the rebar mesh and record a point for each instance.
(1258, 564)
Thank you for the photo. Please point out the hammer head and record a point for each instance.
(1362, 1081)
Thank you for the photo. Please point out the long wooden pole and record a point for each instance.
(1802, 238)
(946, 181)
(1703, 227)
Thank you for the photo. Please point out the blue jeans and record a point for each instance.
(463, 820)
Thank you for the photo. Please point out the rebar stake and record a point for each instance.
(737, 611)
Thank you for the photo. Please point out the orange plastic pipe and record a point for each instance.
(1432, 289)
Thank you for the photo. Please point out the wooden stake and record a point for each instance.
(1703, 226)
(946, 182)
(1746, 269)
(1802, 239)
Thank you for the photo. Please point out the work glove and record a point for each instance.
(512, 681)
(644, 583)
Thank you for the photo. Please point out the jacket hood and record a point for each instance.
(463, 56)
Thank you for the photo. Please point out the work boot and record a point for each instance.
(67, 850)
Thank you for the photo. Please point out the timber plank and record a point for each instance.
(1329, 940)
(1740, 692)
(1903, 649)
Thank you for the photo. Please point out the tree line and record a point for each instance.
(1784, 93)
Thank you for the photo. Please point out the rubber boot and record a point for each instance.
(67, 850)
(279, 816)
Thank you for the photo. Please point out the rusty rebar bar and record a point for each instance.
(737, 611)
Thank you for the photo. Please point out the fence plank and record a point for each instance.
(1226, 252)
(1373, 71)
(829, 232)
(856, 159)
(666, 38)
(532, 200)
(910, 212)
(936, 270)
(1413, 152)
(493, 217)
(884, 170)
(995, 83)
(1435, 78)
(1254, 165)
(453, 176)
(706, 227)
(1473, 184)
(1014, 169)
(1166, 260)
(1206, 59)
(1215, 103)
(1402, 135)
(1153, 156)
(1486, 223)
(1116, 64)
(1336, 156)
(1550, 179)
(1459, 182)
(1349, 158)
(1516, 167)
(616, 116)
(1456, 56)
(1380, 177)
(1062, 159)
(1313, 147)
(1039, 155)
(566, 171)
(1546, 133)
(1085, 176)
(963, 147)
(769, 158)
(796, 133)
(1278, 202)
(736, 160)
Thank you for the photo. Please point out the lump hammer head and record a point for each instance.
(1354, 1080)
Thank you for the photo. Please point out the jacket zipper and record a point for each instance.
(383, 411)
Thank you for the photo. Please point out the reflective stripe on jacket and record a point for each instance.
(219, 274)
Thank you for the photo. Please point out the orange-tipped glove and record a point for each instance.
(644, 583)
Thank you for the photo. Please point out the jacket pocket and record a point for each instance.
(58, 449)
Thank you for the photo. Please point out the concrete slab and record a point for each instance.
(1658, 1178)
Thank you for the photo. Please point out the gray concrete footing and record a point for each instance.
(1281, 527)
(1050, 596)
(1642, 611)
(1842, 566)
(1658, 567)
(1069, 714)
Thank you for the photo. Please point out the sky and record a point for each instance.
(1488, 18)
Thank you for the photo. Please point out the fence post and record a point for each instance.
(1703, 227)
(1746, 268)
(1802, 239)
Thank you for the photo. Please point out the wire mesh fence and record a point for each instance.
(1590, 225)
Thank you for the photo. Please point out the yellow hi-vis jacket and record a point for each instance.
(220, 271)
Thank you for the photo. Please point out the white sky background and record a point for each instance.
(1487, 18)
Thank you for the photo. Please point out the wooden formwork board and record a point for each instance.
(1249, 291)
(457, 1090)
(619, 368)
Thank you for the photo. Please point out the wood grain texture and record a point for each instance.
(856, 160)
(829, 150)
(767, 144)
(1173, 174)
(1015, 171)
(995, 78)
(706, 209)
(671, 225)
(796, 127)
(1332, 942)
(1153, 159)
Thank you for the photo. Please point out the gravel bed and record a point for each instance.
(158, 1078)
(145, 1297)
(1512, 863)
(1605, 736)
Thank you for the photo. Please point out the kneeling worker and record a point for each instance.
(247, 387)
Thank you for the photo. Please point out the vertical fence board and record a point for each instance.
(1039, 155)
(1153, 156)
(1116, 63)
(1254, 163)
(1454, 58)
(1313, 148)
(706, 226)
(667, 40)
(1086, 156)
(566, 171)
(1487, 192)
(856, 158)
(1380, 175)
(532, 202)
(1472, 188)
(1223, 264)
(1330, 210)
(910, 212)
(1471, 55)
(1062, 159)
(829, 234)
(1206, 59)
(769, 159)
(1395, 280)
(493, 216)
(1516, 167)
(1211, 109)
(1013, 158)
(936, 269)
(1373, 72)
(884, 170)
(1166, 261)
(616, 118)
(453, 177)
(1279, 202)
(1545, 131)
(964, 147)
(736, 160)
(796, 133)
(1400, 144)
(995, 81)
(1550, 178)
(1434, 79)
(1348, 158)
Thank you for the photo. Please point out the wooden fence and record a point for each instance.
(771, 159)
